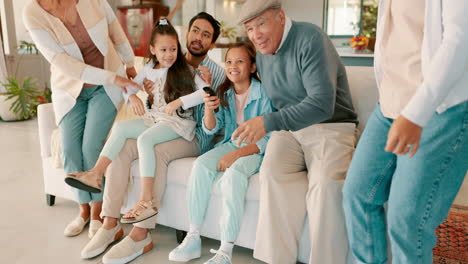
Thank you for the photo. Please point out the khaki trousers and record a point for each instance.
(118, 174)
(303, 173)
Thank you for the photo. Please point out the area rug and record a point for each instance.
(452, 238)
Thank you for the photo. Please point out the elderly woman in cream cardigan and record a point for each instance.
(89, 54)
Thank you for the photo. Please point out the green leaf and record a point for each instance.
(24, 95)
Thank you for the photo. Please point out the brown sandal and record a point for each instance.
(86, 181)
(141, 211)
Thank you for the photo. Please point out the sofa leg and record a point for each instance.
(50, 199)
(180, 234)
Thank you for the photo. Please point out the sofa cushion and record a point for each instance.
(363, 92)
(179, 173)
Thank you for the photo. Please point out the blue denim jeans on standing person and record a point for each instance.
(419, 190)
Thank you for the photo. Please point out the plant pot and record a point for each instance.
(5, 113)
(224, 40)
(371, 45)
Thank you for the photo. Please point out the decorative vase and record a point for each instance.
(5, 113)
(224, 40)
(371, 45)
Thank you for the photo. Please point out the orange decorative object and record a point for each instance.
(137, 22)
(359, 43)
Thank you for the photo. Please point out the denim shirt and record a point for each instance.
(257, 104)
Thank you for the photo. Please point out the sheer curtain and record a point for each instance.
(3, 70)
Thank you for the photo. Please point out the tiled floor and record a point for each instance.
(32, 232)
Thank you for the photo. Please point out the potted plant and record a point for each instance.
(21, 97)
(369, 22)
(227, 34)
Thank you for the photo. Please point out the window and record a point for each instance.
(346, 18)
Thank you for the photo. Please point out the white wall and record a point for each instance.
(21, 33)
(298, 10)
(308, 11)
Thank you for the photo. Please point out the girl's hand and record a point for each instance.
(211, 102)
(124, 82)
(131, 73)
(173, 106)
(137, 105)
(205, 74)
(403, 137)
(227, 160)
(149, 85)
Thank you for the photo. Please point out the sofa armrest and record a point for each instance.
(46, 125)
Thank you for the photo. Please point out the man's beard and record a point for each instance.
(194, 53)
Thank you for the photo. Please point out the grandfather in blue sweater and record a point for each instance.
(312, 141)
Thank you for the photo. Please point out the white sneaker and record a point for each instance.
(189, 249)
(127, 250)
(220, 258)
(75, 227)
(100, 241)
(94, 226)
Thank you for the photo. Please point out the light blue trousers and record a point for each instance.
(419, 190)
(232, 186)
(84, 130)
(147, 137)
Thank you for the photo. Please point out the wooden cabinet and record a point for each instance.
(137, 22)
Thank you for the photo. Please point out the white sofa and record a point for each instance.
(173, 211)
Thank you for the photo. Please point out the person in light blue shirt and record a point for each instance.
(242, 98)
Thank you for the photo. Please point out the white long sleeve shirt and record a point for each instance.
(444, 59)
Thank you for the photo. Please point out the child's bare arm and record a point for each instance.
(227, 160)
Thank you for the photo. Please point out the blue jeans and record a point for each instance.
(419, 190)
(84, 129)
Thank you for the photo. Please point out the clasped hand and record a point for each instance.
(171, 107)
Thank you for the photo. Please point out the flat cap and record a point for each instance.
(253, 8)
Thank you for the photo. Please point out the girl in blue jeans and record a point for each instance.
(241, 98)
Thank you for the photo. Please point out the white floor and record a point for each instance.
(32, 232)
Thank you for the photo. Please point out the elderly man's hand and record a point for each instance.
(250, 132)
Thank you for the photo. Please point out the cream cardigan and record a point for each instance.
(68, 71)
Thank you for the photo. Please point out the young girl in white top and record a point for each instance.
(162, 121)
